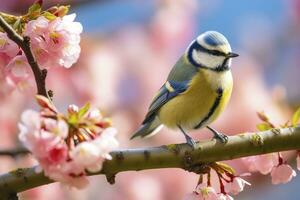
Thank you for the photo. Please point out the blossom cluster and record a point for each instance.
(229, 184)
(280, 170)
(273, 163)
(67, 146)
(54, 40)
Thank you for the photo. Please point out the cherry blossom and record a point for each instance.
(282, 173)
(17, 70)
(72, 109)
(192, 196)
(91, 154)
(7, 46)
(55, 42)
(67, 145)
(208, 193)
(262, 163)
(203, 193)
(236, 185)
(224, 197)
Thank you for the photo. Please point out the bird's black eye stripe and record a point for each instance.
(199, 47)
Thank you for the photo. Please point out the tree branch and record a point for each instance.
(24, 44)
(14, 152)
(170, 156)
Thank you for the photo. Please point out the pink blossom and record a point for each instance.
(90, 154)
(262, 163)
(7, 46)
(46, 146)
(36, 27)
(66, 153)
(73, 109)
(67, 173)
(236, 186)
(17, 69)
(106, 142)
(30, 119)
(282, 174)
(87, 155)
(56, 42)
(192, 196)
(203, 193)
(56, 127)
(79, 182)
(7, 86)
(58, 154)
(94, 115)
(208, 193)
(224, 197)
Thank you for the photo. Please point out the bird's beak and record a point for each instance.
(232, 55)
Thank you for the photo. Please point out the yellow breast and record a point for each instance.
(198, 103)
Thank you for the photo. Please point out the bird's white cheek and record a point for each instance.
(207, 60)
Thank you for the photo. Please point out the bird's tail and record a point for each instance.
(148, 129)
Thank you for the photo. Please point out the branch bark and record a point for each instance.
(14, 152)
(169, 156)
(24, 44)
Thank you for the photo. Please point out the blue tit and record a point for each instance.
(197, 89)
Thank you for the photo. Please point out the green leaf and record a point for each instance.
(36, 7)
(17, 24)
(82, 111)
(263, 126)
(63, 10)
(296, 117)
(35, 10)
(72, 119)
(49, 15)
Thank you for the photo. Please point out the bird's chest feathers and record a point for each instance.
(211, 80)
(196, 102)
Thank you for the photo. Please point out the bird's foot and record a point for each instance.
(219, 136)
(188, 138)
(190, 141)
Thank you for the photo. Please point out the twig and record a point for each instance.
(14, 152)
(170, 156)
(24, 44)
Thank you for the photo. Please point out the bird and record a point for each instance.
(196, 91)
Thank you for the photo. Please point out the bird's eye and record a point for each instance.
(199, 47)
(217, 53)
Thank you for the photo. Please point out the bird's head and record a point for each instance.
(211, 50)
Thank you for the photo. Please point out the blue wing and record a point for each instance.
(168, 91)
(178, 82)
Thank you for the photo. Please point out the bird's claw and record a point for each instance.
(221, 137)
(191, 142)
(188, 138)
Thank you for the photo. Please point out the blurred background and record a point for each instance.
(128, 48)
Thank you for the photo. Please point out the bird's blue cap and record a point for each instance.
(214, 38)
